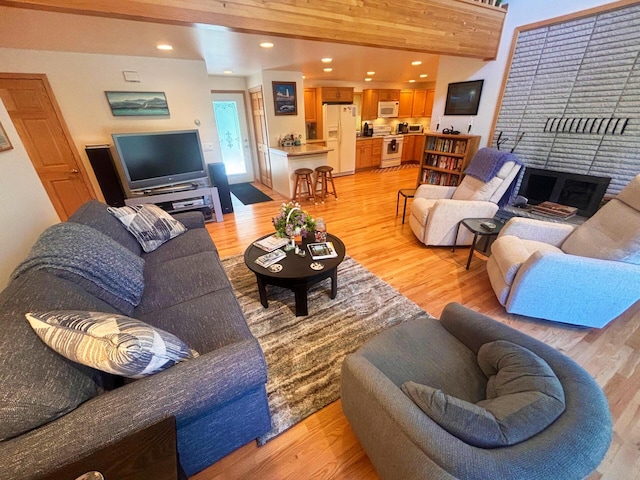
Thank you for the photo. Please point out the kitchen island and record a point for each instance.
(286, 160)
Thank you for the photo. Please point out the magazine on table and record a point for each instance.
(270, 258)
(270, 243)
(320, 251)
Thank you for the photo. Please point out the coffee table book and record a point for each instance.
(555, 209)
(320, 251)
(270, 258)
(269, 244)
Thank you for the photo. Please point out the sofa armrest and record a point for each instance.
(187, 390)
(539, 230)
(453, 211)
(572, 289)
(434, 191)
(191, 220)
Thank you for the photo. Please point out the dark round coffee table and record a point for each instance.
(296, 274)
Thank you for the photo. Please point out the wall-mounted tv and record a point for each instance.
(584, 192)
(158, 159)
(463, 98)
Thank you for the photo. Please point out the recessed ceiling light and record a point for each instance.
(266, 45)
(417, 62)
(327, 60)
(164, 46)
(423, 75)
(368, 79)
(304, 76)
(412, 81)
(371, 73)
(328, 69)
(227, 72)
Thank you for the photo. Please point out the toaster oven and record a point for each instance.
(415, 128)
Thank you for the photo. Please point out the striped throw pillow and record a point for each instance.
(151, 225)
(110, 342)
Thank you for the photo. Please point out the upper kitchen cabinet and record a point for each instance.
(336, 94)
(310, 107)
(388, 95)
(416, 103)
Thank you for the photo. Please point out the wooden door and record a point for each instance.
(406, 104)
(38, 120)
(310, 114)
(419, 98)
(262, 136)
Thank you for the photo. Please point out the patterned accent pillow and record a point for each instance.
(151, 225)
(110, 342)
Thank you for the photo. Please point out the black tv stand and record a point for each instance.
(180, 187)
(205, 199)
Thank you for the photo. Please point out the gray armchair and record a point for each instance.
(405, 443)
(585, 275)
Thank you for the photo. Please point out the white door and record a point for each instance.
(233, 133)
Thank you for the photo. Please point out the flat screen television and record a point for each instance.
(159, 159)
(584, 192)
(463, 98)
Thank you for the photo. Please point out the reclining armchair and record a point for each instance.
(437, 210)
(585, 275)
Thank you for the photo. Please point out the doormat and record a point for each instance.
(248, 194)
(304, 354)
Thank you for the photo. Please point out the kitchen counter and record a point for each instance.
(300, 150)
(286, 160)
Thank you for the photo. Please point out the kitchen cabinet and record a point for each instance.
(416, 103)
(370, 100)
(388, 95)
(336, 94)
(368, 153)
(310, 107)
(406, 104)
(412, 148)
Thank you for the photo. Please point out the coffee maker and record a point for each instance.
(403, 127)
(367, 130)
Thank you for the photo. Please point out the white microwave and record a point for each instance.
(388, 109)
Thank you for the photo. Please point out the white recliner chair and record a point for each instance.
(436, 210)
(585, 275)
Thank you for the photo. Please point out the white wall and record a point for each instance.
(26, 210)
(455, 69)
(79, 82)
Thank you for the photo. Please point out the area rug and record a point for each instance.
(304, 354)
(404, 166)
(248, 194)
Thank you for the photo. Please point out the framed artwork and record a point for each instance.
(463, 98)
(137, 104)
(5, 144)
(284, 98)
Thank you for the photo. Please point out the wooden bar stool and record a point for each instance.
(324, 176)
(304, 180)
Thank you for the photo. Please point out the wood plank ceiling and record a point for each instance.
(448, 27)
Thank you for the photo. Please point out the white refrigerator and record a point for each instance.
(339, 131)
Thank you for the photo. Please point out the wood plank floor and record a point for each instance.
(323, 446)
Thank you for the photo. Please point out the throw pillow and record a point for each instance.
(151, 225)
(109, 342)
(524, 397)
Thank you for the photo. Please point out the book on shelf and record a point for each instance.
(320, 251)
(270, 258)
(553, 209)
(269, 244)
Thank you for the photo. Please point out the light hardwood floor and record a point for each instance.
(324, 446)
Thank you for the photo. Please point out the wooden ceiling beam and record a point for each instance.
(448, 27)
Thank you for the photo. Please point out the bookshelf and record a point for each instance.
(445, 157)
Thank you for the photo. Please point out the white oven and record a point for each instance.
(388, 109)
(391, 151)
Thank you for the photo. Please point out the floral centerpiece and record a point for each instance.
(293, 221)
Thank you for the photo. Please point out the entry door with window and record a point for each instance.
(231, 122)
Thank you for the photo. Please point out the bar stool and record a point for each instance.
(303, 179)
(324, 176)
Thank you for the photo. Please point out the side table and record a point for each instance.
(474, 225)
(406, 193)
